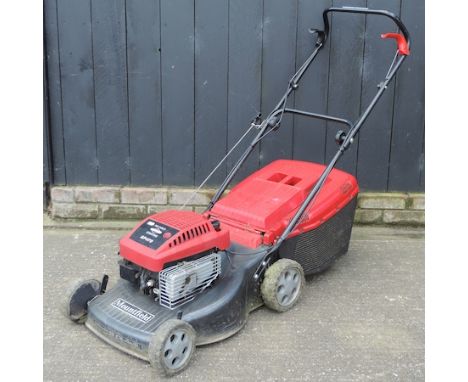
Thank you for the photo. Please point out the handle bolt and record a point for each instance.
(340, 137)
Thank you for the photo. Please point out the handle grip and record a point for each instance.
(365, 11)
(403, 48)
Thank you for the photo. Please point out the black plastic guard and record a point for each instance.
(317, 249)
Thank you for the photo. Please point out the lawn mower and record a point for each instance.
(189, 279)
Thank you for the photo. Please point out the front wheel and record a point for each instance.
(77, 296)
(172, 346)
(282, 285)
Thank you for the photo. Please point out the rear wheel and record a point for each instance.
(172, 346)
(282, 285)
(77, 296)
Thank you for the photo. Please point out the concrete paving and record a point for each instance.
(362, 320)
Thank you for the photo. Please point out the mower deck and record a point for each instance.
(126, 318)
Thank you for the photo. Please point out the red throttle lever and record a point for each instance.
(401, 42)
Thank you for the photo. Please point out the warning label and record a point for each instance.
(153, 234)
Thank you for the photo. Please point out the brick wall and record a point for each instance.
(138, 202)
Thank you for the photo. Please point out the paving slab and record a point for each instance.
(362, 320)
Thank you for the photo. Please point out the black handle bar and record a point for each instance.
(367, 11)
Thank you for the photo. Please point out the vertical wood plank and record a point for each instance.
(375, 135)
(47, 176)
(144, 91)
(344, 93)
(177, 65)
(110, 81)
(309, 134)
(279, 60)
(76, 64)
(245, 63)
(46, 157)
(54, 91)
(408, 115)
(211, 65)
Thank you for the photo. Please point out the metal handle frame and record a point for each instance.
(365, 11)
(273, 121)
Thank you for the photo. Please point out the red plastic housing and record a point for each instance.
(254, 213)
(258, 209)
(195, 235)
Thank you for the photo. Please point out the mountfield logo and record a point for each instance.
(132, 310)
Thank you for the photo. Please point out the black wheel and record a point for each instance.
(282, 285)
(77, 296)
(172, 346)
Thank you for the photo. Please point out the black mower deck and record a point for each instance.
(126, 318)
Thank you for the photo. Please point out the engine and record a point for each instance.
(167, 238)
(173, 255)
(180, 283)
(177, 284)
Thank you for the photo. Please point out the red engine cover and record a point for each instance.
(259, 208)
(170, 236)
